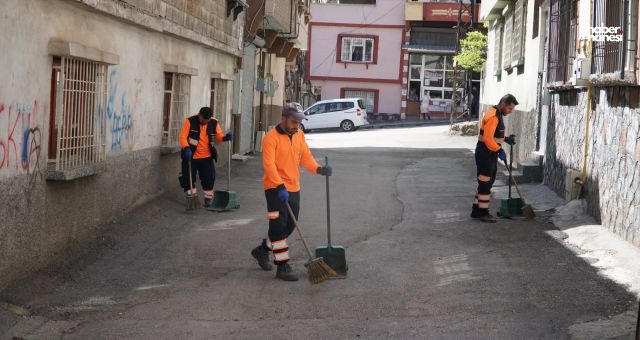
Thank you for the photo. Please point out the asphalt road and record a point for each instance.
(419, 267)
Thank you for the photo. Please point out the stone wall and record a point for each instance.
(203, 21)
(612, 189)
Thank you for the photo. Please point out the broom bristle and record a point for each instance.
(192, 202)
(528, 212)
(319, 271)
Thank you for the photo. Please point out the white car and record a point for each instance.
(347, 114)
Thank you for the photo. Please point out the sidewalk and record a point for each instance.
(409, 122)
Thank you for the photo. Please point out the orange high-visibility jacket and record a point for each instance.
(492, 129)
(203, 149)
(281, 158)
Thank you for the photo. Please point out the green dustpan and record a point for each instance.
(225, 200)
(334, 256)
(510, 207)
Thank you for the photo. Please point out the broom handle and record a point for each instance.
(295, 223)
(510, 166)
(190, 179)
(229, 167)
(326, 163)
(516, 184)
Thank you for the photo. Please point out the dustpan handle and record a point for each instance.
(326, 163)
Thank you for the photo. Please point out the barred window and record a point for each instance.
(562, 39)
(608, 53)
(79, 102)
(367, 97)
(177, 88)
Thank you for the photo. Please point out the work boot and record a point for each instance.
(476, 212)
(208, 203)
(285, 273)
(488, 218)
(261, 254)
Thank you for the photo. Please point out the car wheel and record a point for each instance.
(347, 125)
(305, 130)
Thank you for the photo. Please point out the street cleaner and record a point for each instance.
(488, 151)
(284, 148)
(197, 138)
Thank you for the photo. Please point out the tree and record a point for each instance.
(473, 51)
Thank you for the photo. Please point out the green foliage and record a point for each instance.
(472, 51)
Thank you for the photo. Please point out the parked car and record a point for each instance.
(347, 114)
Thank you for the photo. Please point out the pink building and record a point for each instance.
(355, 50)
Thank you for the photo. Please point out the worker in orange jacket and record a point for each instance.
(197, 138)
(284, 148)
(488, 151)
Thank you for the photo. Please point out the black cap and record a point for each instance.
(293, 110)
(206, 112)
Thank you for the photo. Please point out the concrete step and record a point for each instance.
(531, 170)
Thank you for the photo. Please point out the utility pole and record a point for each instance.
(462, 28)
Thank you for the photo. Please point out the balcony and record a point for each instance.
(492, 9)
(436, 11)
(278, 15)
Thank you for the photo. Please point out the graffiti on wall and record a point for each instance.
(119, 115)
(21, 142)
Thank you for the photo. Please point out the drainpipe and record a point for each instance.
(625, 20)
(583, 180)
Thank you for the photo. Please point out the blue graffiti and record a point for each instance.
(121, 120)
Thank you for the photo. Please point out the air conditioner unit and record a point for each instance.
(581, 71)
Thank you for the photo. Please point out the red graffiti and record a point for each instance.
(23, 137)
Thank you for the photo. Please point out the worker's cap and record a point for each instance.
(293, 110)
(205, 112)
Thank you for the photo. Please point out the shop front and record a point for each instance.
(432, 75)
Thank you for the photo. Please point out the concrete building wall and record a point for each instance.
(387, 12)
(388, 98)
(522, 83)
(324, 63)
(613, 156)
(41, 219)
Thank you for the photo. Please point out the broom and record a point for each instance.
(317, 270)
(192, 199)
(527, 209)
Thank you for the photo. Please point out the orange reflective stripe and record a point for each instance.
(272, 215)
(484, 178)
